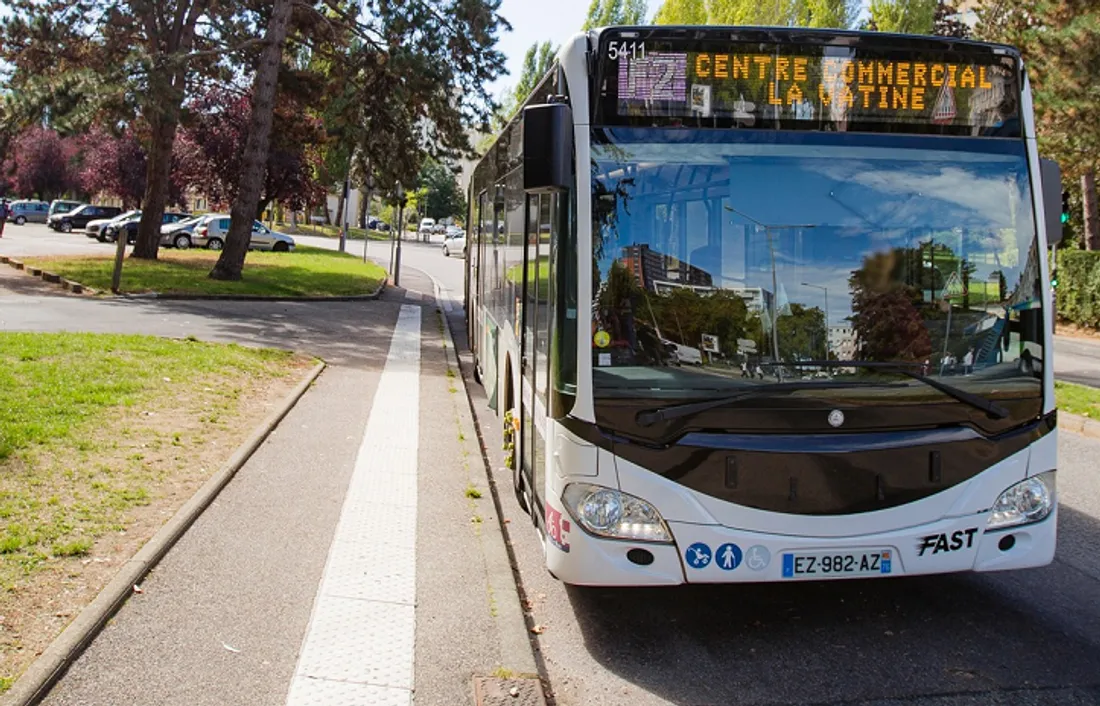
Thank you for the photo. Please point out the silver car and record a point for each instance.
(214, 231)
(95, 229)
(29, 212)
(180, 235)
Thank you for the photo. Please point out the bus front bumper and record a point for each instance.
(718, 554)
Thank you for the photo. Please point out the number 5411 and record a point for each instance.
(626, 50)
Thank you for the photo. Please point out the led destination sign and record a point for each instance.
(804, 83)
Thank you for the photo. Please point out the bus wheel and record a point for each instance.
(512, 462)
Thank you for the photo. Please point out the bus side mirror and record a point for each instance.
(1051, 175)
(547, 147)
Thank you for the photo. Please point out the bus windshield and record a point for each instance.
(731, 258)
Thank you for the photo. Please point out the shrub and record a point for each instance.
(1078, 293)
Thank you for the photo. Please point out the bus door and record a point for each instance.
(534, 346)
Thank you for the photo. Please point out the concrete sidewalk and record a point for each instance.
(331, 563)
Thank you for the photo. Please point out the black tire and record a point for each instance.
(280, 247)
(215, 244)
(181, 241)
(66, 227)
(101, 237)
(20, 220)
(446, 251)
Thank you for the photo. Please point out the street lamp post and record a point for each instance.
(826, 290)
(400, 227)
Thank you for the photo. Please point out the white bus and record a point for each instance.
(758, 187)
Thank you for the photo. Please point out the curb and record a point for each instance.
(515, 645)
(1079, 425)
(254, 297)
(35, 683)
(47, 276)
(77, 288)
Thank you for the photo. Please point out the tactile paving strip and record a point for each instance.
(359, 645)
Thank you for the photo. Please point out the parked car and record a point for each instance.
(179, 234)
(376, 224)
(454, 243)
(426, 225)
(20, 212)
(213, 233)
(130, 225)
(80, 217)
(95, 229)
(59, 206)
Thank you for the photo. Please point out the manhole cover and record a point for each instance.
(490, 691)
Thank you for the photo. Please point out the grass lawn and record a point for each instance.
(305, 272)
(1077, 399)
(102, 438)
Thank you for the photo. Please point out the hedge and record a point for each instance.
(1078, 293)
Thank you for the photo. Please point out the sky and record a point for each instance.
(537, 21)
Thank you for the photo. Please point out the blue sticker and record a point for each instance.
(788, 566)
(728, 557)
(697, 555)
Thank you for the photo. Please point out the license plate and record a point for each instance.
(825, 564)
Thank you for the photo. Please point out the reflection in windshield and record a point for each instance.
(751, 254)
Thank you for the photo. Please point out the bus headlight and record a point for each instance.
(1028, 501)
(607, 512)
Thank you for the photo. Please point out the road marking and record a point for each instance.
(359, 644)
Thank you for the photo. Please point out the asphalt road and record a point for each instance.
(1077, 360)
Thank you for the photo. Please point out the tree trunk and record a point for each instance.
(254, 163)
(168, 36)
(340, 209)
(157, 174)
(1092, 219)
(364, 203)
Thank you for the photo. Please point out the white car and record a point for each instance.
(95, 228)
(426, 225)
(454, 243)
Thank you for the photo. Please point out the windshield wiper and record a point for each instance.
(650, 417)
(977, 401)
